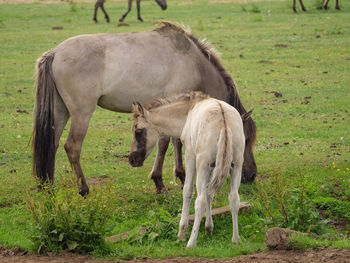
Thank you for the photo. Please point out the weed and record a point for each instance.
(159, 225)
(63, 220)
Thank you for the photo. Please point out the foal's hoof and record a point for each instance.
(209, 231)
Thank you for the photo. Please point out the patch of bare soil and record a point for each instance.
(329, 255)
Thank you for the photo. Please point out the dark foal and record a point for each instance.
(100, 3)
(324, 6)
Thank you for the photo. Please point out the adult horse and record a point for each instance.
(112, 71)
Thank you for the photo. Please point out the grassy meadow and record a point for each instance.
(303, 145)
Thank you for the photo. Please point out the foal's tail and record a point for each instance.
(223, 161)
(43, 143)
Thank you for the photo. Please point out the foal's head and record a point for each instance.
(144, 138)
(162, 4)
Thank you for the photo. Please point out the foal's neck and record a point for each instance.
(170, 119)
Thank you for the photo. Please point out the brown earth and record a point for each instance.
(329, 255)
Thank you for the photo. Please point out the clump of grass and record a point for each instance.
(63, 220)
(73, 6)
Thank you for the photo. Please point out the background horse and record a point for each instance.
(213, 136)
(100, 3)
(324, 6)
(112, 71)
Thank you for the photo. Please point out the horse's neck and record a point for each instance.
(170, 119)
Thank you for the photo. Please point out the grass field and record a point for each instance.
(303, 146)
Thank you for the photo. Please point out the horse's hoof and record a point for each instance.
(95, 20)
(140, 19)
(84, 192)
(209, 231)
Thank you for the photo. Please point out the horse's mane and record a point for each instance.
(213, 56)
(192, 96)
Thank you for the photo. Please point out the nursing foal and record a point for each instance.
(212, 133)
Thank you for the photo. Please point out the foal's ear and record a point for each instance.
(137, 107)
(247, 115)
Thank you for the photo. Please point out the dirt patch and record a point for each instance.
(329, 255)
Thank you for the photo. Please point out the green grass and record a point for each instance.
(266, 47)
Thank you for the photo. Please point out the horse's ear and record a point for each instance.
(247, 115)
(137, 107)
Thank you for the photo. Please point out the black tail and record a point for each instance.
(44, 127)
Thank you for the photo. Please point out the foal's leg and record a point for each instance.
(73, 145)
(337, 5)
(104, 11)
(127, 12)
(187, 194)
(202, 197)
(179, 170)
(156, 174)
(209, 226)
(234, 199)
(139, 10)
(325, 5)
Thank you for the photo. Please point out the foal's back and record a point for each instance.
(205, 122)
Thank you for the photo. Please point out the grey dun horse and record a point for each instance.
(114, 70)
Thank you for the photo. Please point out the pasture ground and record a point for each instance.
(329, 255)
(303, 147)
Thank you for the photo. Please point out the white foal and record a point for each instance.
(212, 133)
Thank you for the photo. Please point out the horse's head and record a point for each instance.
(144, 138)
(249, 169)
(162, 4)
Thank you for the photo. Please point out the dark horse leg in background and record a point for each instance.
(179, 171)
(325, 5)
(301, 4)
(127, 12)
(100, 3)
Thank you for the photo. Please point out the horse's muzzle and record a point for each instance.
(136, 159)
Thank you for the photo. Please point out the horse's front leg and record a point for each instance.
(187, 194)
(138, 5)
(73, 145)
(156, 174)
(179, 170)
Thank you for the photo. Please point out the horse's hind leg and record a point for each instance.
(97, 5)
(138, 5)
(337, 5)
(234, 199)
(61, 116)
(104, 11)
(127, 12)
(73, 145)
(156, 174)
(302, 5)
(179, 170)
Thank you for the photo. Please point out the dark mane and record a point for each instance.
(211, 54)
(192, 96)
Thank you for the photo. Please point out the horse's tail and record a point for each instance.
(43, 143)
(223, 161)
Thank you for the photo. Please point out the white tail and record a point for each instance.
(222, 163)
